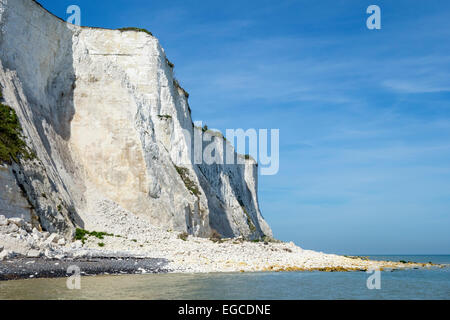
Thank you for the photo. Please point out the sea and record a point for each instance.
(420, 284)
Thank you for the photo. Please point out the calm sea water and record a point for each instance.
(409, 284)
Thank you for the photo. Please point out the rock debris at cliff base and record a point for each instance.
(141, 241)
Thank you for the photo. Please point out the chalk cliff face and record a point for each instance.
(106, 119)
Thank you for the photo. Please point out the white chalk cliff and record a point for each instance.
(105, 117)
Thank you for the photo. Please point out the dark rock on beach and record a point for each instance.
(26, 268)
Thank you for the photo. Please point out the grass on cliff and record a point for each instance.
(215, 236)
(12, 145)
(249, 221)
(183, 236)
(190, 185)
(177, 85)
(135, 29)
(81, 234)
(214, 133)
(170, 64)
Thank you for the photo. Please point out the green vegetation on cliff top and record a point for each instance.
(135, 29)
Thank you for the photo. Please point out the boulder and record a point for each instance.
(3, 255)
(53, 238)
(12, 228)
(30, 241)
(27, 227)
(77, 244)
(59, 256)
(33, 253)
(7, 254)
(17, 221)
(48, 254)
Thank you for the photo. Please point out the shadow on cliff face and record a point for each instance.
(218, 217)
(52, 119)
(43, 70)
(241, 192)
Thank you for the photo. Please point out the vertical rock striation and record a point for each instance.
(107, 120)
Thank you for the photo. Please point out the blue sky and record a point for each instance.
(364, 116)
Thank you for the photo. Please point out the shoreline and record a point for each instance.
(129, 245)
(43, 268)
